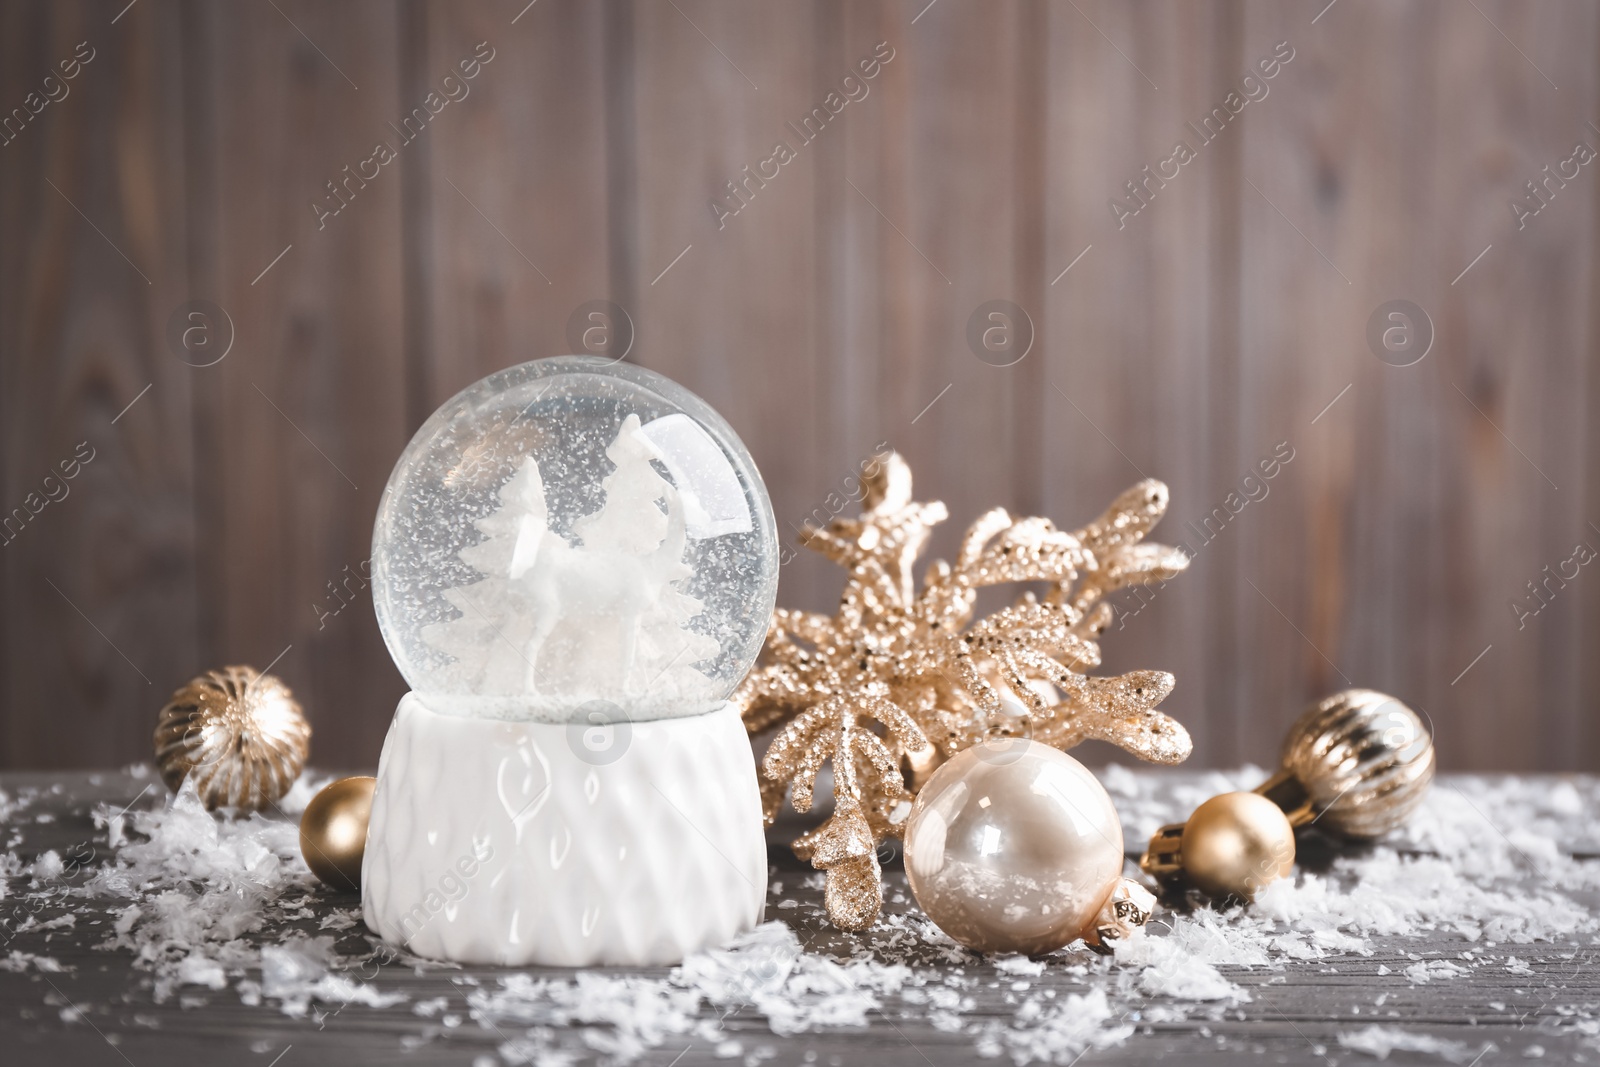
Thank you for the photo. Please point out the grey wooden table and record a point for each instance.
(1511, 1002)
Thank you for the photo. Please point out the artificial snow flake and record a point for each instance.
(1379, 1041)
(900, 678)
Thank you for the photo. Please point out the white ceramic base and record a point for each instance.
(531, 843)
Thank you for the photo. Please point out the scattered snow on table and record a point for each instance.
(1379, 1041)
(214, 905)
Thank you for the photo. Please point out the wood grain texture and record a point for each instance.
(1141, 333)
(1431, 493)
(99, 569)
(304, 418)
(715, 86)
(827, 315)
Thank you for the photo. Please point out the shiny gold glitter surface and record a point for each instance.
(238, 732)
(899, 679)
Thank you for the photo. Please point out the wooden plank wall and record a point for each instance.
(1225, 320)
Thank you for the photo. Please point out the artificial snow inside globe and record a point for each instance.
(573, 565)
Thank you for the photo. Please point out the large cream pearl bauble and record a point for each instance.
(1013, 846)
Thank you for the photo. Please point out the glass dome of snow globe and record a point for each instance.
(571, 531)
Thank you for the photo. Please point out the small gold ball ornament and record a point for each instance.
(1235, 844)
(1356, 763)
(239, 733)
(333, 831)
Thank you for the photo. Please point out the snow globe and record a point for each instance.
(573, 565)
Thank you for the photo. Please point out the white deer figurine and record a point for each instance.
(607, 575)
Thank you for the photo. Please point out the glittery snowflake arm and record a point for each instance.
(1133, 565)
(833, 541)
(1023, 640)
(785, 684)
(978, 536)
(1055, 641)
(1130, 516)
(831, 731)
(1120, 710)
(846, 847)
(918, 667)
(1140, 565)
(998, 549)
(866, 782)
(769, 696)
(806, 625)
(886, 484)
(1114, 540)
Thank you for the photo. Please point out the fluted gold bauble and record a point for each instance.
(1356, 763)
(333, 831)
(238, 733)
(1234, 845)
(1013, 846)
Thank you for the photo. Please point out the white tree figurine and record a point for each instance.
(563, 621)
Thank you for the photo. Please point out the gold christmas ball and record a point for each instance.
(238, 733)
(1364, 760)
(1235, 844)
(333, 831)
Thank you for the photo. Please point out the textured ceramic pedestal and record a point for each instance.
(530, 843)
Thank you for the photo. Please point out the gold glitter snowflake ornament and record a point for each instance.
(898, 680)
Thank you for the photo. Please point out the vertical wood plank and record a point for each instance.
(1522, 366)
(517, 187)
(302, 423)
(98, 569)
(726, 302)
(925, 216)
(1587, 748)
(1421, 500)
(1139, 349)
(822, 317)
(860, 350)
(942, 222)
(1305, 227)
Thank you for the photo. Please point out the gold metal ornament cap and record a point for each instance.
(238, 733)
(1127, 909)
(1364, 760)
(333, 831)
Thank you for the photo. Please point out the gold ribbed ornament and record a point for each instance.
(1356, 763)
(238, 732)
